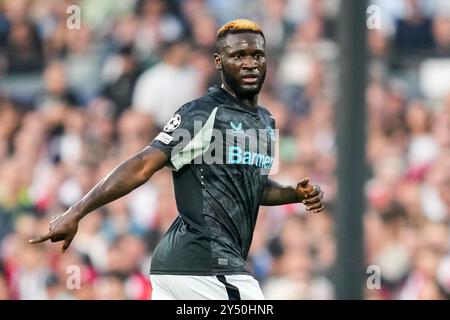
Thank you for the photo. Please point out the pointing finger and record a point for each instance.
(38, 239)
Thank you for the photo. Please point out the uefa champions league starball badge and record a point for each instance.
(173, 123)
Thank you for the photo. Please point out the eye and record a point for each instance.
(238, 57)
(259, 56)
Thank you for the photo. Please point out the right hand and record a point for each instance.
(62, 228)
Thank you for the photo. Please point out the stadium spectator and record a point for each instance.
(73, 103)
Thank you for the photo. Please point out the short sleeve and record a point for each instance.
(186, 135)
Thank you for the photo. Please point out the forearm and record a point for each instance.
(126, 177)
(276, 194)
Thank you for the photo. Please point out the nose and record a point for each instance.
(249, 63)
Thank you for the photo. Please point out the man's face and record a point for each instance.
(242, 62)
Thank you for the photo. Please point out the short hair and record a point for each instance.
(238, 26)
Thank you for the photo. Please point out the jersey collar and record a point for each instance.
(235, 103)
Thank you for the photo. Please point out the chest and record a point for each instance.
(245, 139)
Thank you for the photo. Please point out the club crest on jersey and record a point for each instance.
(236, 127)
(173, 123)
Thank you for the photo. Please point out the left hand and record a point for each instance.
(311, 195)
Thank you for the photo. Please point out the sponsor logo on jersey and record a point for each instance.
(236, 127)
(237, 156)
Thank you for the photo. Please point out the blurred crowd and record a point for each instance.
(76, 102)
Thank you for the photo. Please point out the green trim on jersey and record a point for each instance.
(197, 146)
(217, 203)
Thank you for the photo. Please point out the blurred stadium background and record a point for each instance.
(73, 103)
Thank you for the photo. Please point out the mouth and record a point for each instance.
(250, 78)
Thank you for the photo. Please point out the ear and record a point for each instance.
(217, 61)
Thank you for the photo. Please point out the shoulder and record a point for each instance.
(207, 102)
(199, 105)
(200, 109)
(266, 114)
(265, 111)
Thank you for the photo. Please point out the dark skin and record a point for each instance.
(240, 55)
(241, 62)
(126, 177)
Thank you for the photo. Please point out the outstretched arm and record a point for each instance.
(275, 194)
(126, 177)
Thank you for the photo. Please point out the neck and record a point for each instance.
(250, 102)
